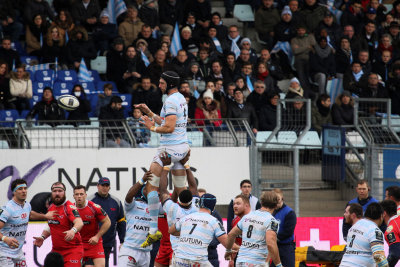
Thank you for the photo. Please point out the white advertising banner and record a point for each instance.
(218, 170)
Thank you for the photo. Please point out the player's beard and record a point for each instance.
(58, 201)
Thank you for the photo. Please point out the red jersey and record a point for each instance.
(67, 213)
(398, 210)
(238, 239)
(91, 215)
(392, 233)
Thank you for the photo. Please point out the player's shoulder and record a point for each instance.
(69, 205)
(93, 205)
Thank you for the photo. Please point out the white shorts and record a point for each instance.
(177, 262)
(177, 153)
(133, 258)
(12, 262)
(246, 264)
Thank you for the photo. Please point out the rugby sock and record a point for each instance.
(153, 203)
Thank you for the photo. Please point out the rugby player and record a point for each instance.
(259, 239)
(64, 228)
(365, 241)
(14, 218)
(91, 214)
(393, 193)
(392, 233)
(173, 140)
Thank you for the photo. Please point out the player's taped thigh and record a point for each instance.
(179, 181)
(155, 181)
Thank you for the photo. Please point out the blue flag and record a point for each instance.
(249, 84)
(144, 58)
(66, 37)
(114, 9)
(41, 40)
(84, 75)
(176, 41)
(235, 49)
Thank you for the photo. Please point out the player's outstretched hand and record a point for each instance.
(69, 235)
(38, 241)
(185, 159)
(147, 176)
(93, 240)
(51, 214)
(11, 242)
(165, 158)
(228, 255)
(146, 121)
(144, 108)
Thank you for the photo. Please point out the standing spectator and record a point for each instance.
(343, 56)
(170, 12)
(8, 21)
(5, 95)
(312, 14)
(21, 88)
(343, 109)
(302, 44)
(86, 13)
(265, 19)
(130, 28)
(36, 32)
(383, 65)
(78, 47)
(369, 39)
(81, 114)
(9, 55)
(363, 198)
(353, 15)
(34, 7)
(393, 86)
(104, 98)
(258, 98)
(115, 56)
(332, 28)
(287, 223)
(234, 35)
(148, 14)
(355, 78)
(245, 187)
(201, 10)
(321, 113)
(322, 64)
(133, 70)
(222, 30)
(267, 114)
(104, 33)
(47, 109)
(54, 46)
(147, 93)
(208, 111)
(115, 211)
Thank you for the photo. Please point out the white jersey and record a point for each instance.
(15, 218)
(254, 227)
(197, 231)
(175, 213)
(358, 248)
(175, 104)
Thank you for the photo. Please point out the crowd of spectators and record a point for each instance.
(222, 75)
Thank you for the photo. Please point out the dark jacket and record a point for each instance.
(342, 114)
(115, 211)
(107, 118)
(82, 112)
(56, 49)
(324, 65)
(383, 69)
(80, 14)
(5, 95)
(342, 61)
(10, 56)
(155, 70)
(285, 31)
(265, 19)
(151, 42)
(152, 98)
(287, 224)
(170, 14)
(149, 16)
(349, 18)
(312, 15)
(201, 10)
(47, 110)
(334, 32)
(212, 247)
(370, 92)
(80, 48)
(247, 112)
(267, 117)
(258, 101)
(350, 83)
(294, 119)
(115, 69)
(320, 116)
(393, 86)
(33, 7)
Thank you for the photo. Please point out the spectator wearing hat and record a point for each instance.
(130, 28)
(149, 15)
(193, 51)
(240, 109)
(208, 110)
(322, 64)
(393, 86)
(104, 33)
(170, 12)
(353, 15)
(295, 89)
(246, 44)
(265, 19)
(222, 30)
(186, 37)
(86, 13)
(142, 46)
(355, 78)
(370, 15)
(146, 34)
(312, 13)
(380, 10)
(343, 109)
(285, 30)
(332, 28)
(115, 211)
(394, 31)
(47, 109)
(343, 56)
(196, 29)
(302, 45)
(80, 46)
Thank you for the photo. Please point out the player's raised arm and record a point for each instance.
(168, 127)
(146, 110)
(166, 160)
(35, 216)
(189, 174)
(136, 187)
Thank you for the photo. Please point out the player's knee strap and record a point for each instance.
(179, 181)
(155, 181)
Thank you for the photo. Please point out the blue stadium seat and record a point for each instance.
(31, 75)
(4, 144)
(35, 99)
(17, 46)
(61, 88)
(27, 59)
(23, 114)
(100, 86)
(37, 87)
(311, 140)
(95, 75)
(88, 87)
(262, 137)
(8, 117)
(44, 75)
(126, 103)
(67, 76)
(195, 139)
(93, 103)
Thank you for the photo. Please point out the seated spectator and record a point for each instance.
(133, 70)
(86, 13)
(141, 134)
(230, 94)
(246, 44)
(10, 56)
(165, 48)
(78, 47)
(264, 76)
(385, 24)
(36, 32)
(322, 64)
(130, 28)
(294, 117)
(148, 14)
(34, 7)
(201, 10)
(267, 113)
(208, 111)
(114, 57)
(5, 95)
(147, 93)
(386, 45)
(244, 57)
(355, 78)
(146, 35)
(274, 63)
(184, 89)
(302, 44)
(9, 25)
(393, 86)
(142, 46)
(321, 113)
(80, 116)
(332, 29)
(258, 98)
(355, 42)
(374, 88)
(104, 33)
(394, 32)
(365, 61)
(369, 39)
(230, 66)
(197, 30)
(285, 30)
(218, 72)
(265, 19)
(380, 10)
(204, 61)
(218, 45)
(353, 15)
(343, 109)
(181, 63)
(111, 116)
(312, 13)
(21, 88)
(104, 98)
(383, 65)
(239, 109)
(247, 74)
(158, 66)
(195, 78)
(222, 30)
(343, 56)
(54, 46)
(234, 35)
(47, 109)
(242, 86)
(64, 21)
(186, 38)
(295, 89)
(170, 12)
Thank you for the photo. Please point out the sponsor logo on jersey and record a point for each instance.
(89, 216)
(132, 259)
(97, 206)
(72, 207)
(378, 235)
(23, 215)
(113, 209)
(389, 229)
(53, 222)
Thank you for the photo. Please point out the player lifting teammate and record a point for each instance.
(173, 140)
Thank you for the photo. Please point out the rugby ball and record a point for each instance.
(68, 102)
